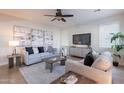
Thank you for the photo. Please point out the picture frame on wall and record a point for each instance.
(22, 34)
(32, 37)
(37, 37)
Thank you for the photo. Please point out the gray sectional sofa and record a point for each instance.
(38, 57)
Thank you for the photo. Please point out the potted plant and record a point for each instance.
(117, 41)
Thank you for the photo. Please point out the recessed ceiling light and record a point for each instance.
(97, 10)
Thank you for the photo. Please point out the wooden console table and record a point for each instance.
(79, 51)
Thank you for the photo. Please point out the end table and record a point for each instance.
(12, 59)
(62, 60)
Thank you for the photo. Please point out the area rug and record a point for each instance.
(37, 74)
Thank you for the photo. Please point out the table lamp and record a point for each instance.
(64, 51)
(14, 44)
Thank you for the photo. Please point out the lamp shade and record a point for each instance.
(13, 43)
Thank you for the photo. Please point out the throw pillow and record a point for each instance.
(95, 54)
(50, 49)
(102, 63)
(41, 49)
(35, 50)
(89, 59)
(29, 50)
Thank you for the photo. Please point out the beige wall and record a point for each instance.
(93, 28)
(61, 37)
(6, 34)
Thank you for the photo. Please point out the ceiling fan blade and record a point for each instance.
(53, 19)
(67, 15)
(59, 16)
(63, 19)
(97, 10)
(50, 15)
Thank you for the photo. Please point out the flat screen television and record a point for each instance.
(82, 39)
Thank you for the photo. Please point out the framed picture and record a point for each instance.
(32, 37)
(23, 35)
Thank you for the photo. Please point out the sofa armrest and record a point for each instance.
(26, 57)
(89, 72)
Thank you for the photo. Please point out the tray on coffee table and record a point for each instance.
(80, 79)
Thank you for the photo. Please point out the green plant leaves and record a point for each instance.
(115, 37)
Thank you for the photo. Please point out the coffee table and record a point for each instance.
(81, 79)
(51, 61)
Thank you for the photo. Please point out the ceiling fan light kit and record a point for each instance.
(97, 10)
(59, 16)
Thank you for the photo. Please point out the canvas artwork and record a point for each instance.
(23, 35)
(48, 36)
(37, 38)
(32, 37)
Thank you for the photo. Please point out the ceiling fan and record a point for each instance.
(59, 16)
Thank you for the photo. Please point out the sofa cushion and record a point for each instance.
(102, 63)
(29, 50)
(44, 55)
(89, 59)
(41, 49)
(35, 50)
(31, 56)
(108, 56)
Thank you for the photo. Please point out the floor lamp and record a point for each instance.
(14, 44)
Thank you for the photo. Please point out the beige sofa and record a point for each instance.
(96, 74)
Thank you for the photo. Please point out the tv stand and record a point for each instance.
(79, 51)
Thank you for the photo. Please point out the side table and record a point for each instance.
(62, 60)
(14, 59)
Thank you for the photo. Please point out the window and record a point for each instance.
(104, 34)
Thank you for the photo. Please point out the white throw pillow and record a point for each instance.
(95, 54)
(35, 50)
(102, 63)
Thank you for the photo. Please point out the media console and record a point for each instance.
(79, 51)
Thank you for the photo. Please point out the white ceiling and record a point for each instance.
(81, 16)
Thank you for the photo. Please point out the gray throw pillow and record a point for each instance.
(95, 54)
(50, 49)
